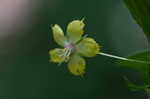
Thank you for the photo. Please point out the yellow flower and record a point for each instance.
(75, 47)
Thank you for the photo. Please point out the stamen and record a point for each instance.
(64, 55)
(69, 50)
(71, 47)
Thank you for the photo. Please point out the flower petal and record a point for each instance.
(88, 47)
(77, 65)
(75, 30)
(56, 55)
(58, 35)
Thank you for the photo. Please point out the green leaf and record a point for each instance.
(147, 90)
(141, 56)
(134, 87)
(140, 11)
(145, 76)
(143, 68)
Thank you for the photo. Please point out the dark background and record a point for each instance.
(26, 38)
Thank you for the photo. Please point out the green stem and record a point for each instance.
(122, 58)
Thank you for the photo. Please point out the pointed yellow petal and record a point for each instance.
(58, 35)
(75, 30)
(56, 55)
(77, 65)
(88, 47)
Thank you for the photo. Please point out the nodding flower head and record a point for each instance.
(74, 47)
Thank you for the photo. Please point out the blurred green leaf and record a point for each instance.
(146, 76)
(148, 91)
(134, 87)
(140, 11)
(142, 56)
(144, 68)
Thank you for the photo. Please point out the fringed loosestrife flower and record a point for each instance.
(74, 45)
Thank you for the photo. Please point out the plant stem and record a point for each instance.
(122, 58)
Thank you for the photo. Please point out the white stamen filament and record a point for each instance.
(122, 58)
(67, 53)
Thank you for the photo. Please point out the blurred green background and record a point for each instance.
(26, 38)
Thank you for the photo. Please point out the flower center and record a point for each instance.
(69, 51)
(70, 48)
